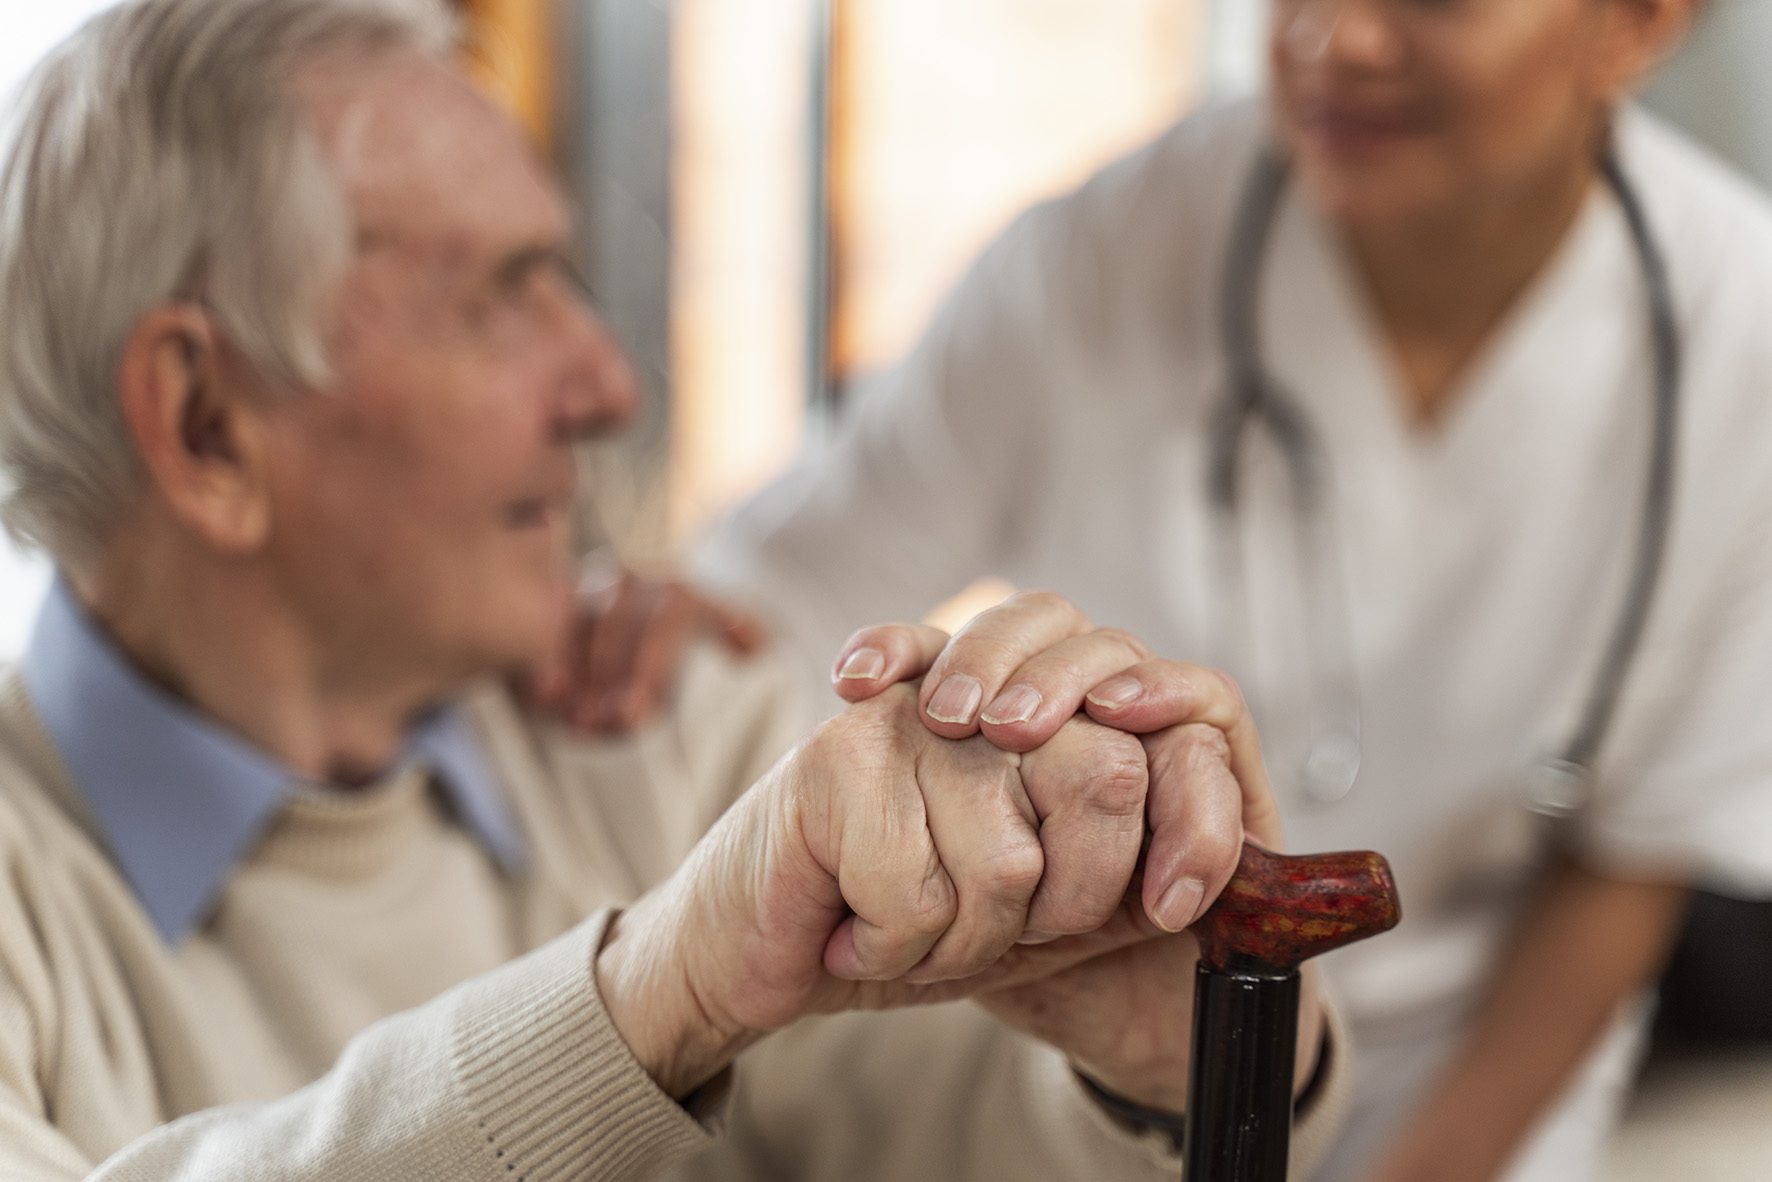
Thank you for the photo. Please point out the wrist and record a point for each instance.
(1139, 1116)
(1172, 1119)
(1162, 1086)
(652, 1001)
(1157, 1091)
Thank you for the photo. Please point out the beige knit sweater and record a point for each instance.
(374, 1000)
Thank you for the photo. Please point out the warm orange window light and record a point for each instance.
(949, 119)
(510, 57)
(946, 119)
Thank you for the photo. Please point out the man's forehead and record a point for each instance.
(424, 157)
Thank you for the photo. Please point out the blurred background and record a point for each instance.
(773, 195)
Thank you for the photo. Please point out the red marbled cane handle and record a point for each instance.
(1277, 912)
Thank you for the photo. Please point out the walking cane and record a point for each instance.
(1277, 913)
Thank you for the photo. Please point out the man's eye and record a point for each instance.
(524, 285)
(527, 296)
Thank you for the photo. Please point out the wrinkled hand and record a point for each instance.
(621, 656)
(878, 865)
(1018, 672)
(886, 863)
(1124, 1013)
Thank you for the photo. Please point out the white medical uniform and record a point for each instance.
(1050, 429)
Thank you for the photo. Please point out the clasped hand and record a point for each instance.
(1024, 813)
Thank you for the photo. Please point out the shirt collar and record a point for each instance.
(179, 799)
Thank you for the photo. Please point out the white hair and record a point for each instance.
(159, 154)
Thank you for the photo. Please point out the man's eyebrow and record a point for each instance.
(511, 267)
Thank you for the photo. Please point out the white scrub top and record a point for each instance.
(1050, 429)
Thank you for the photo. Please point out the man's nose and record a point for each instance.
(599, 392)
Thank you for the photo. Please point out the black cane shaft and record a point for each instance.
(1239, 1104)
(1276, 913)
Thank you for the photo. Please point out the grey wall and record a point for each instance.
(1720, 87)
(614, 144)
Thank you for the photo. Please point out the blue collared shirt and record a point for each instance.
(179, 799)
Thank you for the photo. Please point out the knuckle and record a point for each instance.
(1046, 602)
(817, 750)
(1061, 668)
(1118, 777)
(1013, 870)
(1076, 914)
(853, 735)
(1125, 639)
(979, 653)
(979, 645)
(868, 734)
(1191, 750)
(1202, 743)
(1227, 685)
(930, 907)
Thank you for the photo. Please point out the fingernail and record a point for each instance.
(1117, 693)
(864, 664)
(1016, 704)
(1180, 901)
(956, 699)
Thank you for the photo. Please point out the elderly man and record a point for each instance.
(290, 890)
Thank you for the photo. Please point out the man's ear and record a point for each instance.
(195, 423)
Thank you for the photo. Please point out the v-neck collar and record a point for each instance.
(1326, 348)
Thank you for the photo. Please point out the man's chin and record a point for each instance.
(510, 636)
(543, 638)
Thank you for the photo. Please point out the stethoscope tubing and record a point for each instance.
(1253, 396)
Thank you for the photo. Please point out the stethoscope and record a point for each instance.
(1559, 783)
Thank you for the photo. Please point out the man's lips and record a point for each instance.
(546, 498)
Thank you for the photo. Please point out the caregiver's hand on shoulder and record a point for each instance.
(627, 639)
